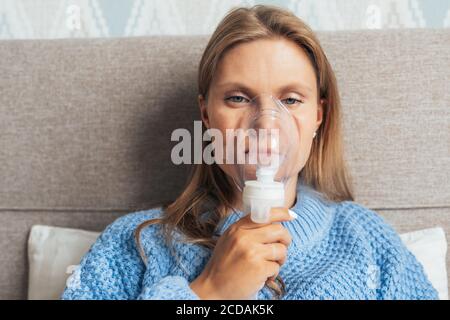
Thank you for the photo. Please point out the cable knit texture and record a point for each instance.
(338, 251)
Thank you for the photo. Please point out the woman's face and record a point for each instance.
(277, 67)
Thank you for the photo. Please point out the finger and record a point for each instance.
(272, 233)
(272, 278)
(276, 252)
(272, 269)
(277, 214)
(280, 214)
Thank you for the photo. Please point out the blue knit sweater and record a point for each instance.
(338, 251)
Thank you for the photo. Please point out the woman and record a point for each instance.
(320, 245)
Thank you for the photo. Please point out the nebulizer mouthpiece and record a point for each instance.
(269, 156)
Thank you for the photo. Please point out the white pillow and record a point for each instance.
(430, 247)
(54, 252)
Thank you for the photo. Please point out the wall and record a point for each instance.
(117, 18)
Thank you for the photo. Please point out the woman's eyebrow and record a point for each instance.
(294, 87)
(236, 86)
(242, 87)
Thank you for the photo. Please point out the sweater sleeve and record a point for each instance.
(113, 269)
(402, 277)
(406, 279)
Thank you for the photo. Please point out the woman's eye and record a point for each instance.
(291, 101)
(237, 99)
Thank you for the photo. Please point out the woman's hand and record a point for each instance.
(245, 256)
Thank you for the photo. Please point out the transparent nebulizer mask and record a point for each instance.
(269, 158)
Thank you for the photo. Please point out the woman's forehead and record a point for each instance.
(266, 63)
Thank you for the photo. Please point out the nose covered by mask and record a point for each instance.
(266, 154)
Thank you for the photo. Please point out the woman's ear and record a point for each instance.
(203, 110)
(320, 108)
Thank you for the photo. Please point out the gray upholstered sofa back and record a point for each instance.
(85, 129)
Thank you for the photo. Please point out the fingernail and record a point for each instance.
(292, 214)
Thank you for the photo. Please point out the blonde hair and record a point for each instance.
(208, 188)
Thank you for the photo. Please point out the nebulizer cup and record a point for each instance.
(270, 146)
